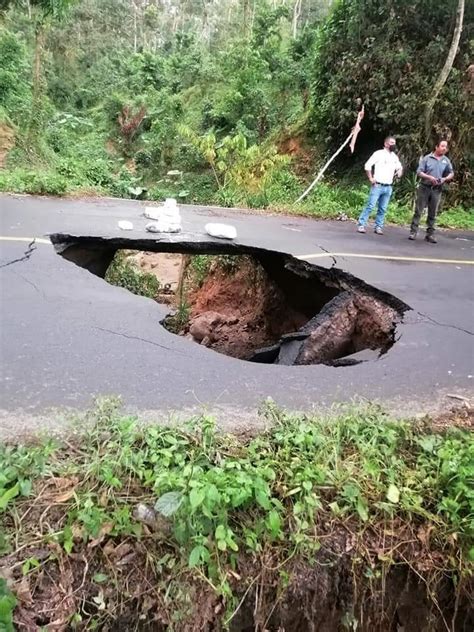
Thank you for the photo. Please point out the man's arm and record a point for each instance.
(398, 168)
(448, 178)
(450, 174)
(368, 167)
(424, 176)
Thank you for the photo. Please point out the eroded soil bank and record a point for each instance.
(260, 311)
(350, 523)
(254, 304)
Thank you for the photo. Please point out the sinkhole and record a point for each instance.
(249, 303)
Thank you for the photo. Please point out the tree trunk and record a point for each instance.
(36, 101)
(134, 28)
(296, 17)
(445, 70)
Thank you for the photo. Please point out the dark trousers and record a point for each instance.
(427, 197)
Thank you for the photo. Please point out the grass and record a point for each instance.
(193, 508)
(124, 272)
(327, 201)
(330, 201)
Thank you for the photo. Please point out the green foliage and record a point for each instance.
(125, 273)
(15, 91)
(330, 200)
(220, 500)
(34, 182)
(18, 466)
(389, 57)
(7, 606)
(200, 265)
(242, 172)
(127, 92)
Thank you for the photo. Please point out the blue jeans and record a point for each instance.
(380, 194)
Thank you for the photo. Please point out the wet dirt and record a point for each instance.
(254, 304)
(243, 310)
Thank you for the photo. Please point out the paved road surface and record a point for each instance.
(67, 336)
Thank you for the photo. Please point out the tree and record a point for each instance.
(384, 52)
(445, 70)
(42, 13)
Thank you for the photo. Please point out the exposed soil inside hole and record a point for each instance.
(164, 265)
(252, 311)
(239, 309)
(254, 304)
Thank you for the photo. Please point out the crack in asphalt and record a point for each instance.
(150, 342)
(33, 285)
(436, 322)
(334, 261)
(26, 255)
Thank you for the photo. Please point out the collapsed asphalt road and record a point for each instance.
(67, 336)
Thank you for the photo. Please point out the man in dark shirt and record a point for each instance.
(434, 170)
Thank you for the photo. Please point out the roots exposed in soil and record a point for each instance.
(331, 594)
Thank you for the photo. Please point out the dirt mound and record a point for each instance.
(263, 312)
(164, 265)
(302, 154)
(253, 310)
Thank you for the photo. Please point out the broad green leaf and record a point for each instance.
(362, 509)
(274, 522)
(100, 578)
(198, 554)
(212, 494)
(9, 495)
(25, 487)
(262, 498)
(220, 533)
(169, 503)
(393, 493)
(233, 544)
(196, 497)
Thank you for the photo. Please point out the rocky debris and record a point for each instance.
(221, 231)
(351, 328)
(204, 327)
(331, 332)
(366, 355)
(166, 218)
(375, 322)
(123, 224)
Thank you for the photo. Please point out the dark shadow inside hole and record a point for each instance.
(260, 305)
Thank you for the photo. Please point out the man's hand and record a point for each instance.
(427, 177)
(372, 180)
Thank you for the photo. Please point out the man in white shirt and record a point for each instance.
(382, 166)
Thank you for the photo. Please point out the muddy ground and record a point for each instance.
(245, 309)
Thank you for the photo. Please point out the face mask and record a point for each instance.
(392, 148)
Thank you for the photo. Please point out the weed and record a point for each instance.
(125, 273)
(200, 265)
(7, 606)
(219, 500)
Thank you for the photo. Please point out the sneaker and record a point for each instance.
(412, 236)
(431, 239)
(378, 230)
(361, 229)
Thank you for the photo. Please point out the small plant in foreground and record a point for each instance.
(215, 501)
